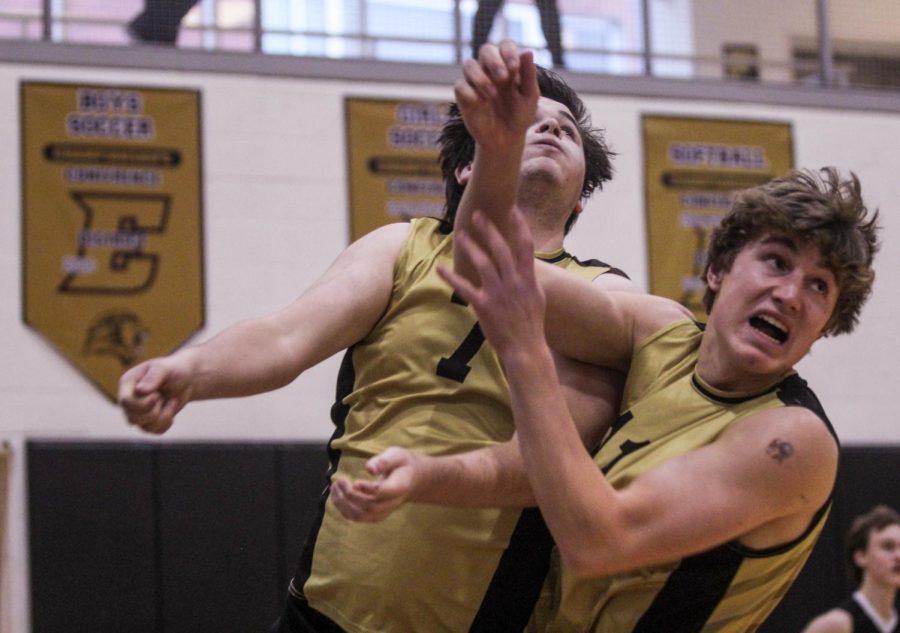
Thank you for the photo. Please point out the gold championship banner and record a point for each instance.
(392, 157)
(692, 169)
(112, 229)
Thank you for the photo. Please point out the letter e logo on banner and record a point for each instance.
(112, 223)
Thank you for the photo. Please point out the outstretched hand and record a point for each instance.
(506, 296)
(498, 95)
(396, 471)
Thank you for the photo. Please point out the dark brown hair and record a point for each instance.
(875, 520)
(458, 146)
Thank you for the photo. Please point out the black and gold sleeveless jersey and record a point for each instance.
(668, 411)
(425, 379)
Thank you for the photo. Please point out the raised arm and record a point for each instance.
(269, 352)
(749, 492)
(497, 97)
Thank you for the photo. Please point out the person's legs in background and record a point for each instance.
(482, 23)
(160, 20)
(552, 30)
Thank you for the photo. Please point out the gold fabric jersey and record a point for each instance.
(669, 411)
(424, 378)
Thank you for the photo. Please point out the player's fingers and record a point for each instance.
(126, 389)
(528, 85)
(151, 379)
(157, 426)
(359, 505)
(137, 407)
(129, 380)
(385, 461)
(151, 421)
(341, 500)
(367, 488)
(492, 60)
(170, 407)
(465, 95)
(509, 52)
(479, 80)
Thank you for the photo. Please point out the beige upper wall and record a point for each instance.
(775, 26)
(275, 217)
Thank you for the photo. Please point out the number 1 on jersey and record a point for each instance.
(456, 367)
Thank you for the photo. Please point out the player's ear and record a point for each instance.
(713, 278)
(859, 558)
(463, 173)
(578, 209)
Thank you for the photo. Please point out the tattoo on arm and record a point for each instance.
(779, 450)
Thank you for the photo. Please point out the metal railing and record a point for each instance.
(634, 55)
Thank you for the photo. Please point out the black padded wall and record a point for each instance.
(92, 532)
(166, 538)
(217, 545)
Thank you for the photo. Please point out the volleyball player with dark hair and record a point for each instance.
(416, 373)
(873, 553)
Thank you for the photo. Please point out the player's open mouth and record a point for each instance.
(770, 327)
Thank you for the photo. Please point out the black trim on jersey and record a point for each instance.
(587, 263)
(345, 381)
(794, 391)
(775, 550)
(517, 581)
(862, 623)
(709, 395)
(691, 593)
(617, 271)
(557, 258)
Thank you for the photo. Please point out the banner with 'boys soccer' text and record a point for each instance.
(112, 252)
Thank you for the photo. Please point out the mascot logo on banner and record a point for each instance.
(112, 223)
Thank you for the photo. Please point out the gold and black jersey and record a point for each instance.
(668, 411)
(424, 378)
